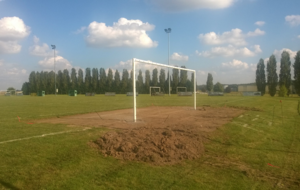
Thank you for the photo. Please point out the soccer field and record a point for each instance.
(258, 149)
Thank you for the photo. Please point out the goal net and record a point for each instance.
(154, 91)
(135, 61)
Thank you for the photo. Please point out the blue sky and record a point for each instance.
(224, 37)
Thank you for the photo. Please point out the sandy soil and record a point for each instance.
(161, 135)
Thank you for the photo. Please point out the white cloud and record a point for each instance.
(179, 57)
(124, 33)
(12, 30)
(236, 64)
(260, 23)
(230, 51)
(60, 63)
(235, 37)
(39, 50)
(278, 53)
(293, 20)
(256, 32)
(188, 5)
(82, 29)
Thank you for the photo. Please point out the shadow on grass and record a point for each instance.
(8, 185)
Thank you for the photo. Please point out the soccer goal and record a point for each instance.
(134, 61)
(180, 88)
(154, 87)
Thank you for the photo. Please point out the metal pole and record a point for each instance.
(195, 90)
(54, 73)
(169, 60)
(134, 90)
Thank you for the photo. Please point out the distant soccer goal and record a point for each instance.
(134, 61)
(153, 87)
(181, 88)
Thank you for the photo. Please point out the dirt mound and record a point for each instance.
(154, 145)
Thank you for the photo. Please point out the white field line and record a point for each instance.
(44, 135)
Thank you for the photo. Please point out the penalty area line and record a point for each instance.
(43, 135)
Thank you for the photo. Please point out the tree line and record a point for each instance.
(271, 79)
(98, 81)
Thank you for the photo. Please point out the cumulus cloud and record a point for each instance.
(179, 57)
(124, 33)
(236, 64)
(260, 23)
(235, 37)
(293, 20)
(278, 53)
(12, 30)
(188, 5)
(82, 29)
(230, 51)
(60, 63)
(42, 50)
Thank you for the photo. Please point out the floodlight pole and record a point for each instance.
(53, 47)
(168, 31)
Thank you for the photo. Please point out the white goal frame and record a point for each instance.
(134, 60)
(181, 87)
(153, 87)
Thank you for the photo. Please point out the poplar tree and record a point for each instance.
(297, 73)
(272, 76)
(147, 81)
(59, 81)
(285, 71)
(209, 82)
(32, 82)
(80, 84)
(109, 80)
(125, 78)
(66, 81)
(117, 82)
(94, 82)
(154, 77)
(140, 82)
(183, 77)
(261, 77)
(87, 80)
(102, 81)
(162, 79)
(74, 79)
(175, 78)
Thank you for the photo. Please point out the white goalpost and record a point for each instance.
(134, 61)
(154, 87)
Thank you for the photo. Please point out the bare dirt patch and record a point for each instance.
(161, 135)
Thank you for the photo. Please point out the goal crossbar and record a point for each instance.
(134, 61)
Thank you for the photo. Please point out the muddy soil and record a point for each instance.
(161, 135)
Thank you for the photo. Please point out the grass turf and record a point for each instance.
(238, 155)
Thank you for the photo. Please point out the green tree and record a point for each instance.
(109, 80)
(297, 73)
(154, 77)
(38, 81)
(50, 83)
(11, 90)
(261, 77)
(87, 80)
(73, 79)
(147, 81)
(183, 77)
(130, 83)
(80, 84)
(218, 87)
(283, 91)
(125, 80)
(59, 82)
(162, 79)
(117, 82)
(94, 81)
(32, 82)
(227, 89)
(102, 81)
(175, 78)
(66, 81)
(285, 71)
(193, 83)
(26, 88)
(272, 76)
(140, 82)
(209, 82)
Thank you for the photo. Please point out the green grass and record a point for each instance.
(236, 157)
